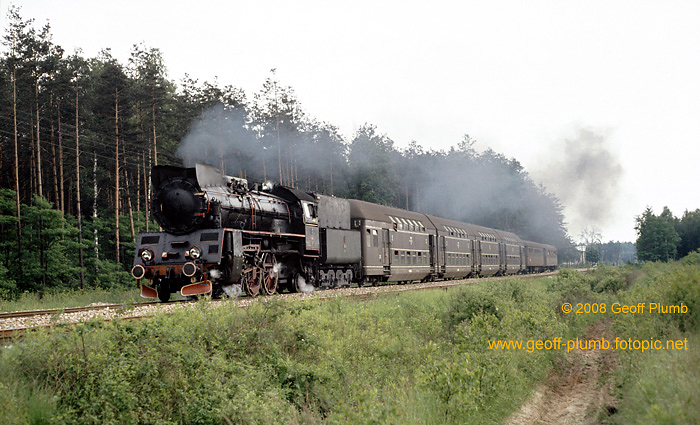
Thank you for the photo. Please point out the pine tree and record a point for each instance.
(657, 238)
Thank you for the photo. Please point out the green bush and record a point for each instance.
(571, 285)
(684, 288)
(660, 386)
(469, 302)
(609, 279)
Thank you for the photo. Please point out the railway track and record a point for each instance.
(15, 324)
(31, 313)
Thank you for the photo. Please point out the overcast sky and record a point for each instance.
(599, 100)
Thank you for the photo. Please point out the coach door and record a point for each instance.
(433, 253)
(386, 243)
(475, 257)
(503, 253)
(443, 254)
(479, 261)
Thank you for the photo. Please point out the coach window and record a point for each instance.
(375, 238)
(369, 238)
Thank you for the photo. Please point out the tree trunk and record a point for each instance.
(153, 108)
(19, 215)
(60, 163)
(77, 190)
(40, 186)
(139, 140)
(94, 212)
(138, 186)
(53, 153)
(148, 190)
(116, 173)
(279, 140)
(128, 201)
(32, 159)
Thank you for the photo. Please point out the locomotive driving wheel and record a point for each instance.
(271, 278)
(253, 280)
(300, 284)
(270, 282)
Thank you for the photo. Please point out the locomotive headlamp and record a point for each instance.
(146, 255)
(195, 253)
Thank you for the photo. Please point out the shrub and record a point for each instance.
(467, 303)
(684, 287)
(609, 279)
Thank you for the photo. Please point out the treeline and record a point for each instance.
(78, 137)
(611, 253)
(664, 237)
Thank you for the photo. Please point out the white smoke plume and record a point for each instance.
(585, 175)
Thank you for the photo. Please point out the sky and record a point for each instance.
(598, 100)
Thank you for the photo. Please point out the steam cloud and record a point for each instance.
(220, 137)
(490, 190)
(586, 178)
(227, 139)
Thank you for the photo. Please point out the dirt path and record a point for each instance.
(578, 392)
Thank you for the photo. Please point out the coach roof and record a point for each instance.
(369, 211)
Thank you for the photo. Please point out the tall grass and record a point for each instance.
(410, 358)
(414, 358)
(74, 298)
(661, 386)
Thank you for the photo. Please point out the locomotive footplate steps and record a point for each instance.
(148, 292)
(198, 288)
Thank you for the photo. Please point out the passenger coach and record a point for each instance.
(401, 245)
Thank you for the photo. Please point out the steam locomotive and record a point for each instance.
(221, 237)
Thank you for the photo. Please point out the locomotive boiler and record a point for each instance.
(219, 236)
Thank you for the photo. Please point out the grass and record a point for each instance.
(661, 386)
(74, 298)
(411, 358)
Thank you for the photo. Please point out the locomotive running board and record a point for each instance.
(148, 292)
(198, 288)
